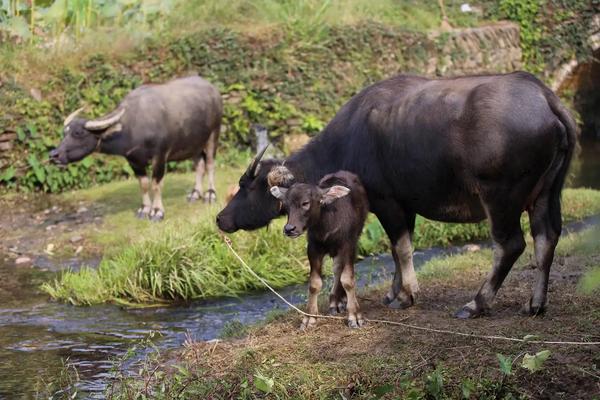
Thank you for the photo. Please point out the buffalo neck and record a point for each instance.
(115, 144)
(314, 160)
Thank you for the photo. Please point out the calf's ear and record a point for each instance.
(278, 192)
(330, 195)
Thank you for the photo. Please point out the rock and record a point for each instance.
(292, 143)
(5, 146)
(36, 94)
(23, 261)
(82, 210)
(78, 250)
(8, 137)
(471, 248)
(76, 239)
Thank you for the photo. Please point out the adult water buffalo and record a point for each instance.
(154, 124)
(457, 150)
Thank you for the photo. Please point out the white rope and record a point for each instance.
(397, 323)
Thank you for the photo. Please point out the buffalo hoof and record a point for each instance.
(210, 196)
(356, 323)
(157, 215)
(142, 213)
(339, 309)
(533, 311)
(194, 196)
(470, 311)
(307, 323)
(399, 303)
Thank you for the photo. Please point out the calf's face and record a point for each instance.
(303, 203)
(77, 143)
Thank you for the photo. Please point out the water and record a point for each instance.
(588, 173)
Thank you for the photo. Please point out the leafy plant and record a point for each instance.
(263, 383)
(434, 383)
(506, 363)
(535, 362)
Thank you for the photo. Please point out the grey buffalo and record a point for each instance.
(154, 124)
(459, 150)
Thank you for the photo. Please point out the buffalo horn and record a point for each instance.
(102, 124)
(253, 168)
(72, 116)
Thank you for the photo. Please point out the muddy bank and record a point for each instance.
(44, 231)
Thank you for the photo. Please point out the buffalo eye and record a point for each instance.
(305, 205)
(77, 133)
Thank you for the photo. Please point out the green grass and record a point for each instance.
(184, 258)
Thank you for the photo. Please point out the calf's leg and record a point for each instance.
(355, 318)
(315, 258)
(337, 296)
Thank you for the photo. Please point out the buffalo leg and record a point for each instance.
(146, 206)
(509, 244)
(355, 319)
(337, 296)
(211, 195)
(200, 168)
(545, 238)
(315, 257)
(399, 226)
(158, 172)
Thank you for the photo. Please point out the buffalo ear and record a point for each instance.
(278, 192)
(330, 195)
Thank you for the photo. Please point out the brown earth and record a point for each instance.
(382, 361)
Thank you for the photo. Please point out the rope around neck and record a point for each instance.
(398, 323)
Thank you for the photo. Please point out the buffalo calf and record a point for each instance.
(333, 212)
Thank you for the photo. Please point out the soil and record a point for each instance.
(378, 354)
(37, 229)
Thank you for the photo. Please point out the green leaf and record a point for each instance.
(21, 134)
(534, 363)
(505, 364)
(530, 337)
(382, 390)
(467, 388)
(8, 174)
(263, 383)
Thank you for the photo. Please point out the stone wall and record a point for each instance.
(486, 49)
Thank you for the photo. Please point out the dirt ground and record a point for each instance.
(381, 361)
(37, 228)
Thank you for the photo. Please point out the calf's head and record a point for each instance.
(82, 137)
(253, 207)
(304, 203)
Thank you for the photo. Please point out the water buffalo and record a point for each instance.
(458, 150)
(333, 212)
(154, 124)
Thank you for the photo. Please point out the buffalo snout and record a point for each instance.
(55, 157)
(291, 230)
(225, 223)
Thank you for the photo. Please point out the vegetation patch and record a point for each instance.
(185, 258)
